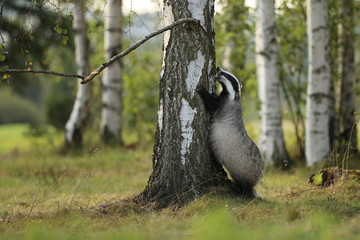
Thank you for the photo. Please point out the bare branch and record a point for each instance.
(97, 71)
(44, 72)
(134, 46)
(1, 9)
(1, 16)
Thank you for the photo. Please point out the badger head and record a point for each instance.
(230, 84)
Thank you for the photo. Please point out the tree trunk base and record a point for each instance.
(109, 138)
(220, 185)
(144, 202)
(76, 141)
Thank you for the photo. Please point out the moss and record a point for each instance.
(329, 176)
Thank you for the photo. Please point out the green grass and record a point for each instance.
(11, 137)
(45, 194)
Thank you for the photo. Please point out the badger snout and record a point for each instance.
(218, 71)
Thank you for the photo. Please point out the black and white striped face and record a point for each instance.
(230, 83)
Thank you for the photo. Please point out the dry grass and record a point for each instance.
(48, 195)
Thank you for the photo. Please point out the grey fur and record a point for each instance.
(230, 142)
(233, 147)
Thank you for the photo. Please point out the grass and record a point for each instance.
(45, 194)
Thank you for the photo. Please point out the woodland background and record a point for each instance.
(47, 94)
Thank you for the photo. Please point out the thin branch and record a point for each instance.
(1, 9)
(1, 16)
(97, 71)
(44, 72)
(134, 46)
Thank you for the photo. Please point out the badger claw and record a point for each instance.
(199, 87)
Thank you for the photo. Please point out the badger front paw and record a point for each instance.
(199, 88)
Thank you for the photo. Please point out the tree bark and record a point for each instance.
(318, 102)
(271, 139)
(347, 73)
(182, 165)
(111, 116)
(76, 124)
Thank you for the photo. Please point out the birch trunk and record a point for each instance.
(347, 71)
(111, 117)
(318, 108)
(271, 140)
(81, 110)
(182, 166)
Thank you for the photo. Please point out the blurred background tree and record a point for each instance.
(81, 111)
(112, 82)
(28, 31)
(36, 36)
(271, 138)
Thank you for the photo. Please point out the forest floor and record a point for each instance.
(46, 194)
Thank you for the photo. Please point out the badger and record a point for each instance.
(229, 141)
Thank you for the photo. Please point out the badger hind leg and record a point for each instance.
(246, 188)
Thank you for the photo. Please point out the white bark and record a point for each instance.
(187, 115)
(271, 140)
(194, 72)
(81, 110)
(111, 117)
(317, 138)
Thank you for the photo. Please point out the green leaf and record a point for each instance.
(318, 179)
(65, 39)
(58, 29)
(2, 57)
(3, 68)
(70, 17)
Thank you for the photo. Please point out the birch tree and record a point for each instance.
(182, 167)
(347, 74)
(318, 108)
(271, 140)
(81, 109)
(111, 116)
